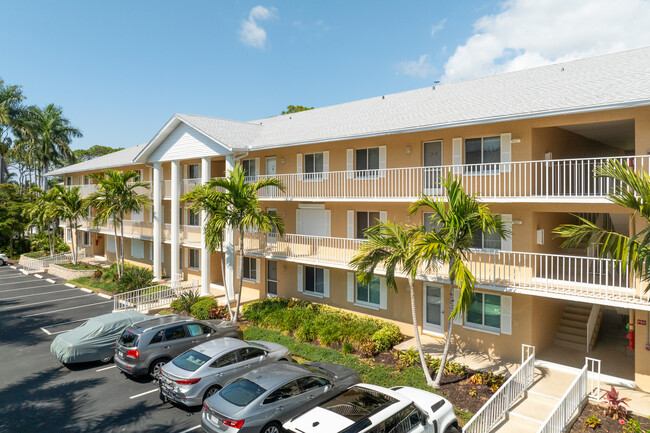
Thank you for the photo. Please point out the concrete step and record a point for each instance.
(573, 324)
(576, 317)
(571, 345)
(573, 330)
(577, 310)
(570, 337)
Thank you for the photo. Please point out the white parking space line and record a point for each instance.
(36, 294)
(46, 331)
(49, 280)
(144, 393)
(65, 323)
(43, 302)
(12, 267)
(104, 296)
(70, 285)
(38, 276)
(196, 427)
(107, 368)
(25, 288)
(66, 309)
(83, 289)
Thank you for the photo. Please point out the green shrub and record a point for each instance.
(307, 332)
(135, 278)
(201, 309)
(110, 273)
(186, 301)
(347, 348)
(386, 337)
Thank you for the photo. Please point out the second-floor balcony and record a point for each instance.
(91, 188)
(552, 275)
(559, 180)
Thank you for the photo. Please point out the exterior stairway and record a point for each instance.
(572, 332)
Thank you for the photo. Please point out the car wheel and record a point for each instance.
(272, 427)
(154, 368)
(2, 262)
(211, 391)
(452, 429)
(107, 359)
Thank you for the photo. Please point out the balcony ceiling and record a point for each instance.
(617, 133)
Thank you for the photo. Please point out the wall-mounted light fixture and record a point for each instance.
(517, 222)
(282, 160)
(408, 150)
(515, 140)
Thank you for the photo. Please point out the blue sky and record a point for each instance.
(120, 69)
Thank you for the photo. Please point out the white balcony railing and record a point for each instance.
(557, 179)
(88, 189)
(552, 275)
(152, 297)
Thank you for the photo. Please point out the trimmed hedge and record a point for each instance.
(310, 322)
(201, 309)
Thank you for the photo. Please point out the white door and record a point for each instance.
(432, 161)
(270, 165)
(433, 309)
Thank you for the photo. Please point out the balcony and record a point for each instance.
(188, 234)
(558, 180)
(88, 189)
(557, 276)
(187, 185)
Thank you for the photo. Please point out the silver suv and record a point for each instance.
(145, 347)
(3, 259)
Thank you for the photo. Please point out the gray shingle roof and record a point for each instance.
(115, 159)
(608, 81)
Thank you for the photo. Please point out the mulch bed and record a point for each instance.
(607, 424)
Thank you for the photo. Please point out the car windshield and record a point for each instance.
(190, 360)
(241, 392)
(128, 339)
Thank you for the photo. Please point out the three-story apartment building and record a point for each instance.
(525, 142)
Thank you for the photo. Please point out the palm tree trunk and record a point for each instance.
(223, 278)
(416, 332)
(240, 272)
(122, 240)
(450, 322)
(117, 251)
(74, 241)
(51, 230)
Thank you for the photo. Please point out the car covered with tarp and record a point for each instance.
(95, 339)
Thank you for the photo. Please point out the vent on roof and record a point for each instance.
(434, 85)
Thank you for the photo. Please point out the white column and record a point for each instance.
(229, 240)
(205, 253)
(175, 229)
(157, 222)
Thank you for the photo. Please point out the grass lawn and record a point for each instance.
(80, 267)
(93, 284)
(35, 255)
(369, 371)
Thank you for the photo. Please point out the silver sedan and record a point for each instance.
(203, 370)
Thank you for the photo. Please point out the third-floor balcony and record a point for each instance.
(560, 180)
(551, 275)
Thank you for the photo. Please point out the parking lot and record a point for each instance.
(38, 394)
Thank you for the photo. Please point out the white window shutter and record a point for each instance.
(506, 151)
(299, 164)
(506, 314)
(382, 161)
(238, 266)
(383, 293)
(110, 243)
(506, 244)
(162, 254)
(257, 167)
(350, 224)
(457, 153)
(326, 283)
(458, 320)
(186, 258)
(351, 287)
(133, 248)
(300, 279)
(349, 166)
(299, 221)
(257, 270)
(185, 171)
(326, 164)
(151, 251)
(198, 262)
(383, 216)
(328, 222)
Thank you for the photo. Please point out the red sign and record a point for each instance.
(640, 322)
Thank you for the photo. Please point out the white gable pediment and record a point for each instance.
(186, 142)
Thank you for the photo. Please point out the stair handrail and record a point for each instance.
(493, 410)
(591, 323)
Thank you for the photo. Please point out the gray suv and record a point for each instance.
(145, 347)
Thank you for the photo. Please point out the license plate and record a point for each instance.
(120, 354)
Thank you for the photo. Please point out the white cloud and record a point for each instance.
(250, 32)
(422, 68)
(529, 33)
(441, 25)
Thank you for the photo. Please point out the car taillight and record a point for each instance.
(205, 408)
(132, 354)
(187, 381)
(235, 424)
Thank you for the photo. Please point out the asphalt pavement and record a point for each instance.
(39, 394)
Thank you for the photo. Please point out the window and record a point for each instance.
(369, 293)
(486, 241)
(157, 338)
(193, 217)
(193, 171)
(311, 382)
(314, 280)
(249, 167)
(197, 329)
(86, 238)
(225, 360)
(251, 353)
(484, 150)
(190, 360)
(485, 311)
(428, 224)
(367, 159)
(364, 221)
(406, 420)
(250, 269)
(175, 333)
(194, 258)
(313, 166)
(68, 180)
(138, 176)
(287, 391)
(137, 248)
(69, 235)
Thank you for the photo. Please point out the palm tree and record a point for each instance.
(116, 196)
(631, 191)
(70, 207)
(392, 247)
(10, 109)
(456, 220)
(42, 212)
(242, 211)
(206, 198)
(50, 135)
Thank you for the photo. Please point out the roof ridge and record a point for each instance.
(220, 118)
